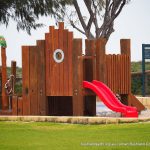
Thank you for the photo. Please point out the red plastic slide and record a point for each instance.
(109, 99)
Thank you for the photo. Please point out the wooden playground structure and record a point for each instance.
(53, 72)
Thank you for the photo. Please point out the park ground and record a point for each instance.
(46, 136)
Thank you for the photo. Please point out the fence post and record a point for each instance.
(125, 49)
(4, 79)
(125, 46)
(13, 72)
(78, 99)
(100, 59)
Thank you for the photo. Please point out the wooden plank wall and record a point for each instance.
(59, 74)
(34, 95)
(114, 70)
(117, 73)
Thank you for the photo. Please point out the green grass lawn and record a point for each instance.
(50, 136)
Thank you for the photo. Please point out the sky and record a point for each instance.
(133, 23)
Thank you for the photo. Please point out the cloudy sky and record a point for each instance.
(133, 23)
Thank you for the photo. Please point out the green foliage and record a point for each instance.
(18, 71)
(3, 42)
(136, 85)
(45, 136)
(137, 66)
(26, 12)
(18, 88)
(18, 85)
(137, 80)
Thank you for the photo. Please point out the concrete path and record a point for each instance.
(74, 120)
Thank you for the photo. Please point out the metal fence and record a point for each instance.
(137, 83)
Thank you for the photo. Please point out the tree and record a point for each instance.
(26, 12)
(102, 14)
(105, 10)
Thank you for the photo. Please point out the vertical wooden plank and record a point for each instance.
(70, 65)
(88, 74)
(66, 61)
(61, 65)
(122, 82)
(55, 68)
(4, 79)
(92, 48)
(14, 105)
(78, 100)
(121, 79)
(125, 46)
(33, 91)
(48, 77)
(90, 64)
(108, 70)
(20, 106)
(13, 68)
(26, 107)
(42, 100)
(81, 105)
(129, 75)
(52, 63)
(112, 75)
(25, 80)
(126, 74)
(121, 76)
(125, 49)
(118, 74)
(111, 71)
(107, 77)
(115, 67)
(114, 72)
(100, 59)
(13, 72)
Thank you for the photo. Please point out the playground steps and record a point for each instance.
(133, 101)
